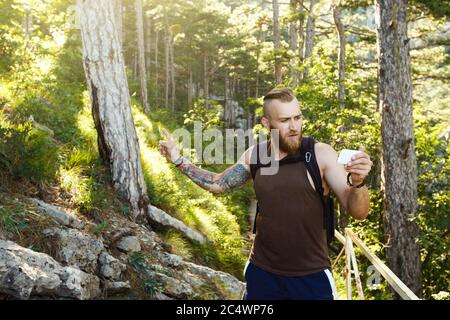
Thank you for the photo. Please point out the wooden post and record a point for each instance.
(355, 268)
(348, 266)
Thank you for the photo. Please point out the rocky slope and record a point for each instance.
(73, 260)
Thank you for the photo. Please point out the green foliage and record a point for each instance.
(438, 8)
(210, 118)
(150, 285)
(12, 219)
(99, 228)
(179, 245)
(433, 165)
(138, 261)
(27, 150)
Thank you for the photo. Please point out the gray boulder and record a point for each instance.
(110, 267)
(24, 272)
(161, 217)
(129, 244)
(76, 248)
(57, 214)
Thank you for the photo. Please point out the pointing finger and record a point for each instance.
(167, 134)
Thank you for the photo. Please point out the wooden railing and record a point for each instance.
(351, 267)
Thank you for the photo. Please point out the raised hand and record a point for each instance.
(359, 166)
(168, 148)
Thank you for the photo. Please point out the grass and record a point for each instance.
(12, 218)
(179, 245)
(147, 283)
(100, 227)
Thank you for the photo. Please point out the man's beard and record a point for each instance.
(290, 145)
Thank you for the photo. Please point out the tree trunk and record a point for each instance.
(258, 54)
(105, 74)
(166, 54)
(276, 41)
(118, 16)
(141, 55)
(293, 42)
(301, 36)
(156, 76)
(399, 160)
(148, 42)
(190, 87)
(172, 72)
(135, 66)
(156, 53)
(227, 110)
(309, 37)
(27, 23)
(232, 103)
(341, 55)
(206, 81)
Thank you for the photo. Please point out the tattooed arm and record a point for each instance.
(232, 177)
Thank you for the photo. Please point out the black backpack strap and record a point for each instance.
(309, 155)
(254, 162)
(310, 160)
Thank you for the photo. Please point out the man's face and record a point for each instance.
(287, 118)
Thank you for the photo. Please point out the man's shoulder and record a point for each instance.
(325, 154)
(322, 148)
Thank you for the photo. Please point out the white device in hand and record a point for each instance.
(346, 156)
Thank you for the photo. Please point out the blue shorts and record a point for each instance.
(263, 285)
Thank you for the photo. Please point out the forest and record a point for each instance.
(87, 86)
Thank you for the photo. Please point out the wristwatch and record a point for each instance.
(351, 185)
(179, 161)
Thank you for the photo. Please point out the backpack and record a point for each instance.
(308, 156)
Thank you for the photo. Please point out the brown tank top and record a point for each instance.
(290, 238)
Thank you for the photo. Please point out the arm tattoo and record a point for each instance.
(232, 178)
(235, 177)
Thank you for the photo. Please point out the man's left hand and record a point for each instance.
(359, 166)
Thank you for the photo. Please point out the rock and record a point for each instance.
(114, 287)
(3, 235)
(57, 214)
(120, 233)
(168, 259)
(149, 238)
(129, 244)
(161, 296)
(76, 248)
(193, 280)
(171, 286)
(110, 267)
(24, 272)
(79, 284)
(231, 284)
(161, 217)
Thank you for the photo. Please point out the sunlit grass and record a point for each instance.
(79, 187)
(85, 123)
(202, 221)
(5, 93)
(175, 193)
(179, 246)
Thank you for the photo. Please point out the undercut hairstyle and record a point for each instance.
(281, 94)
